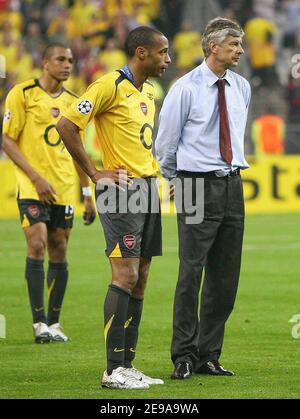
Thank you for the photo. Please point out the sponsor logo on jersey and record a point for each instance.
(130, 241)
(34, 211)
(144, 108)
(84, 107)
(150, 96)
(55, 112)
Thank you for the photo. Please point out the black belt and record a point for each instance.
(213, 174)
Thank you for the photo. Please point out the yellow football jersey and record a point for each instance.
(30, 119)
(124, 118)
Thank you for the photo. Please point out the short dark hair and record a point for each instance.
(142, 36)
(48, 52)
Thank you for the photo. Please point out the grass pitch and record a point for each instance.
(258, 346)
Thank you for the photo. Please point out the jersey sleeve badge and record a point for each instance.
(7, 116)
(84, 107)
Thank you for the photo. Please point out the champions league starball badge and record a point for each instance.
(7, 115)
(84, 107)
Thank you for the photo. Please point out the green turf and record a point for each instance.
(258, 342)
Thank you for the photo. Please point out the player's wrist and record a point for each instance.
(93, 177)
(88, 200)
(86, 191)
(35, 177)
(99, 174)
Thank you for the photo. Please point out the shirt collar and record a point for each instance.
(128, 74)
(210, 77)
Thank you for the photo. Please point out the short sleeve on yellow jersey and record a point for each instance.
(97, 99)
(14, 114)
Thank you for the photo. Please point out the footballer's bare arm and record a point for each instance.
(89, 207)
(44, 189)
(69, 133)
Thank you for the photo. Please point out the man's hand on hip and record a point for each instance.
(119, 178)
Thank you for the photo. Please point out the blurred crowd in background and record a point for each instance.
(95, 30)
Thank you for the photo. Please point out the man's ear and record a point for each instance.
(45, 64)
(141, 52)
(213, 46)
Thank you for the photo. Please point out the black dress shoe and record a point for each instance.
(214, 368)
(182, 371)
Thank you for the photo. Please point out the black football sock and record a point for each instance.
(34, 274)
(134, 314)
(115, 312)
(57, 279)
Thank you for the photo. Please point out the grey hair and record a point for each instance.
(218, 30)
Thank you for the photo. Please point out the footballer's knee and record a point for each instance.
(139, 290)
(36, 238)
(36, 248)
(58, 251)
(140, 286)
(57, 245)
(125, 276)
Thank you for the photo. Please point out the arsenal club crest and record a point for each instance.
(130, 241)
(144, 108)
(34, 211)
(55, 112)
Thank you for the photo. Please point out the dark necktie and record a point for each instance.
(225, 140)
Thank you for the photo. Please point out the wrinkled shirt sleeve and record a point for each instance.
(172, 119)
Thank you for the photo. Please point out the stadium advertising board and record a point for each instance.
(271, 185)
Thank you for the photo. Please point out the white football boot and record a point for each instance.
(57, 333)
(41, 333)
(139, 375)
(120, 379)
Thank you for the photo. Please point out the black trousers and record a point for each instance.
(215, 246)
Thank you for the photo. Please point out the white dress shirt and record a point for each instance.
(188, 134)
